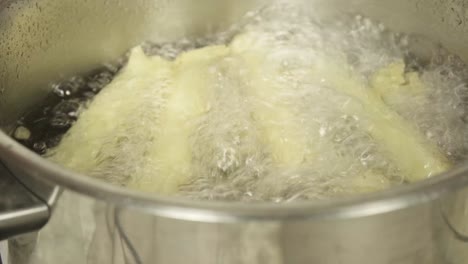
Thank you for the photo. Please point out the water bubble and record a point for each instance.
(40, 147)
(68, 88)
(99, 81)
(61, 121)
(66, 107)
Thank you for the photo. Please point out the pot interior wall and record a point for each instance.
(42, 41)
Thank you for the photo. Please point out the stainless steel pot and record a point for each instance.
(91, 222)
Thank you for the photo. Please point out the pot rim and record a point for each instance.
(397, 198)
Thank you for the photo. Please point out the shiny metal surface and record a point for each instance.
(21, 211)
(96, 223)
(84, 230)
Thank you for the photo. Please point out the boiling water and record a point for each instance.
(231, 156)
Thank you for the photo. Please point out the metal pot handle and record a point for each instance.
(21, 209)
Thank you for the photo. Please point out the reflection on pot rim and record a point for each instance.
(386, 201)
